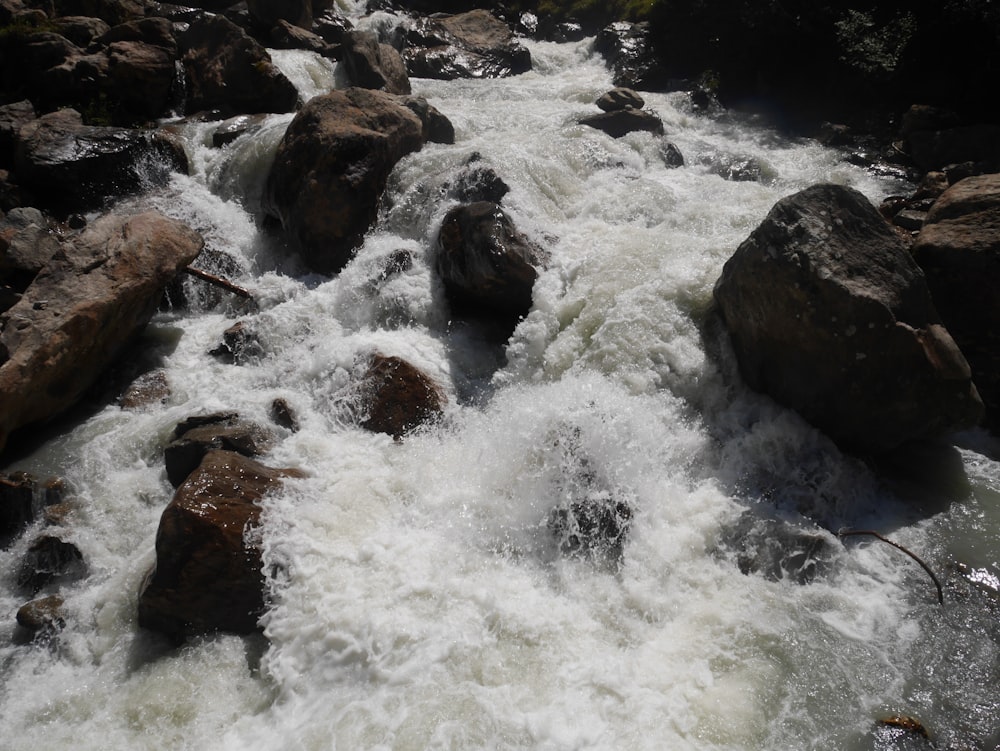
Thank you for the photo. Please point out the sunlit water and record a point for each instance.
(422, 601)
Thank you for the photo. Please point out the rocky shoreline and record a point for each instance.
(857, 317)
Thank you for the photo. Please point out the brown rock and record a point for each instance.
(149, 388)
(331, 169)
(398, 397)
(143, 77)
(88, 303)
(229, 71)
(12, 117)
(283, 415)
(44, 615)
(371, 65)
(286, 36)
(829, 315)
(208, 572)
(620, 98)
(80, 30)
(959, 251)
(195, 437)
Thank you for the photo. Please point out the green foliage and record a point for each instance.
(871, 47)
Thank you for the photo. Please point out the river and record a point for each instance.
(419, 599)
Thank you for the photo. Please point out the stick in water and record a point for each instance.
(914, 556)
(218, 281)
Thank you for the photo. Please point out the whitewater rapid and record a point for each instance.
(418, 597)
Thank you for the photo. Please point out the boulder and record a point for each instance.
(283, 415)
(436, 127)
(195, 437)
(829, 315)
(331, 169)
(79, 167)
(475, 44)
(228, 71)
(332, 26)
(27, 242)
(959, 252)
(372, 65)
(91, 300)
(477, 182)
(208, 572)
(488, 267)
(266, 13)
(671, 155)
(286, 36)
(621, 122)
(628, 50)
(80, 30)
(149, 388)
(620, 98)
(113, 12)
(158, 32)
(398, 397)
(240, 344)
(142, 78)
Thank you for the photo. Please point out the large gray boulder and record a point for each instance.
(829, 315)
(331, 168)
(90, 300)
(958, 249)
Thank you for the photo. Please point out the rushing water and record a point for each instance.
(422, 601)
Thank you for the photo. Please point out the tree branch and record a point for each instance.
(924, 566)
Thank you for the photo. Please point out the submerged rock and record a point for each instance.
(331, 169)
(91, 300)
(829, 315)
(618, 123)
(49, 558)
(208, 574)
(598, 524)
(959, 252)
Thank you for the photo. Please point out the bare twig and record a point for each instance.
(914, 556)
(218, 281)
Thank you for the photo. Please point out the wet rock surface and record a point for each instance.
(208, 572)
(397, 397)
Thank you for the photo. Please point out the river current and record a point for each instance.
(419, 599)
